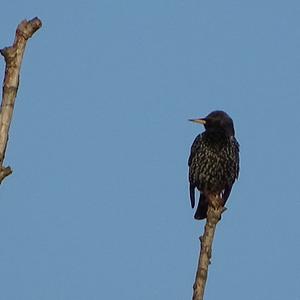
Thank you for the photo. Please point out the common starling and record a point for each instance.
(214, 161)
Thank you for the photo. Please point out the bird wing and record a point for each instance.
(194, 149)
(236, 161)
(237, 157)
(192, 195)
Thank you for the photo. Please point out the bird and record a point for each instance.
(213, 161)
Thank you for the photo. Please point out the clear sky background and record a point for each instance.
(98, 206)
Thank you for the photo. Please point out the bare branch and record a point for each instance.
(13, 58)
(214, 212)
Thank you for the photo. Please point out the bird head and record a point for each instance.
(217, 121)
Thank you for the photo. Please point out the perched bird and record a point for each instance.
(214, 161)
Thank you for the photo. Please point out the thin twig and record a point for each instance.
(13, 58)
(214, 212)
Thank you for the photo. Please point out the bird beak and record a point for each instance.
(199, 121)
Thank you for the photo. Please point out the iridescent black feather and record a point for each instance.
(214, 161)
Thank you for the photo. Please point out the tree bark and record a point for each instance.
(13, 56)
(214, 212)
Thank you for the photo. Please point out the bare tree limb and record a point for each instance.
(13, 58)
(214, 212)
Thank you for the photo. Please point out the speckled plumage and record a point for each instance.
(214, 160)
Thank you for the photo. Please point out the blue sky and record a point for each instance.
(97, 206)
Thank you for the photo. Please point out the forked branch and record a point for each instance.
(214, 212)
(13, 56)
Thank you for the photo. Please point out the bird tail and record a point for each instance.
(201, 212)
